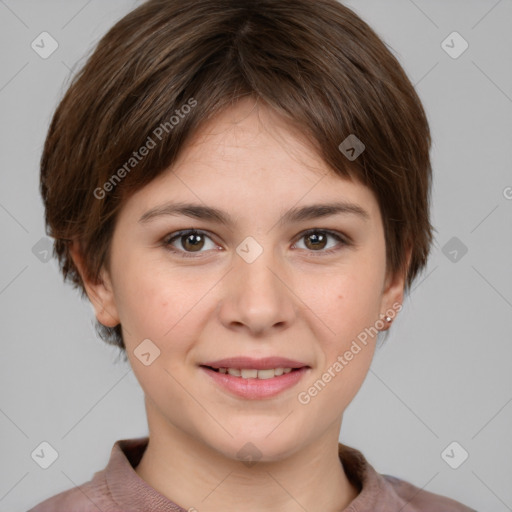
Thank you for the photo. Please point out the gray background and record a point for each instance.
(442, 376)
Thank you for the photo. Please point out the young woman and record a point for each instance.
(242, 191)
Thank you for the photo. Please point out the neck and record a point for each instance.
(197, 477)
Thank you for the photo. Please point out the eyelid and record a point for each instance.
(335, 234)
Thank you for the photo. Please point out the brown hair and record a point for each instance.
(314, 61)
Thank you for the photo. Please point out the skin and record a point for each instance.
(293, 301)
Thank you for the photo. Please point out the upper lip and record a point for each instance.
(265, 363)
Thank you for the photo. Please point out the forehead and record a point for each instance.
(249, 157)
(251, 132)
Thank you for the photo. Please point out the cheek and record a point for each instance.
(162, 306)
(347, 303)
(145, 306)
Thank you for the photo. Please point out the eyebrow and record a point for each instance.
(201, 212)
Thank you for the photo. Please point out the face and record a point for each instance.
(262, 284)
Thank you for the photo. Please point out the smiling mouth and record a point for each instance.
(252, 373)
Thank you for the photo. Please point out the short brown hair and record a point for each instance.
(315, 62)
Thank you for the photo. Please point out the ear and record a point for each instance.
(393, 291)
(100, 293)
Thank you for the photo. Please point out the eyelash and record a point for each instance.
(169, 239)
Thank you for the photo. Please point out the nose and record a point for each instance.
(258, 296)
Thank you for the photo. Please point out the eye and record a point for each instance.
(316, 240)
(191, 241)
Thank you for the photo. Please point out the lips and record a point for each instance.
(265, 363)
(255, 388)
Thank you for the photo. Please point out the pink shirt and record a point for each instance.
(118, 488)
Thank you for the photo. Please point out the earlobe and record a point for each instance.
(100, 293)
(393, 294)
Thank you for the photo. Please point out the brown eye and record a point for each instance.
(192, 242)
(315, 240)
(187, 242)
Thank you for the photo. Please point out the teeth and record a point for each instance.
(255, 374)
(249, 374)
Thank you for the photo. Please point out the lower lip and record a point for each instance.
(254, 389)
